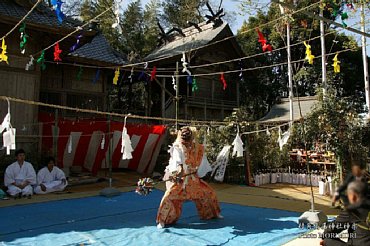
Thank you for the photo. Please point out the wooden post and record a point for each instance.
(55, 137)
(177, 94)
(222, 110)
(213, 89)
(110, 146)
(163, 96)
(323, 52)
(248, 178)
(364, 59)
(238, 93)
(205, 109)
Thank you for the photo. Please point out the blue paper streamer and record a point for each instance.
(58, 9)
(77, 44)
(97, 75)
(190, 80)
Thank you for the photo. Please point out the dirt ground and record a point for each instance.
(280, 196)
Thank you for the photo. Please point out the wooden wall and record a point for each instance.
(58, 84)
(61, 85)
(16, 82)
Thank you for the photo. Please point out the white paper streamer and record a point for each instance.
(102, 144)
(9, 134)
(70, 144)
(126, 148)
(268, 132)
(185, 64)
(116, 14)
(30, 63)
(174, 83)
(283, 138)
(238, 145)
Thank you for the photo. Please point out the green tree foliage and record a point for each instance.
(178, 12)
(87, 10)
(150, 29)
(132, 26)
(335, 122)
(264, 87)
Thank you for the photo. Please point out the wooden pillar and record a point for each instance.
(222, 110)
(149, 98)
(213, 89)
(163, 98)
(248, 177)
(186, 108)
(55, 137)
(238, 93)
(205, 109)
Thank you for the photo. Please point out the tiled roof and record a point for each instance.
(281, 112)
(42, 15)
(99, 50)
(193, 39)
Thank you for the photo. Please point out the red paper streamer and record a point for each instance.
(153, 73)
(263, 41)
(57, 52)
(222, 78)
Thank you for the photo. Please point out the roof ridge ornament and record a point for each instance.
(215, 17)
(166, 36)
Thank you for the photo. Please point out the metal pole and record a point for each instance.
(323, 53)
(364, 59)
(177, 94)
(290, 74)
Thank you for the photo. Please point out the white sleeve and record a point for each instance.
(60, 174)
(177, 158)
(40, 176)
(31, 175)
(9, 176)
(204, 167)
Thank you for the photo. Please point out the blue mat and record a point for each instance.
(129, 219)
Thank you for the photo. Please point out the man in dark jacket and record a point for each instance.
(355, 218)
(357, 174)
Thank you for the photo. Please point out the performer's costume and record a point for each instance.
(191, 188)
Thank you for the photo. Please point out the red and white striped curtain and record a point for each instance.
(87, 150)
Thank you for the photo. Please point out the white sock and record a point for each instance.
(160, 226)
(220, 216)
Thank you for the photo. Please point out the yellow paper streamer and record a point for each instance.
(116, 76)
(309, 56)
(336, 64)
(3, 56)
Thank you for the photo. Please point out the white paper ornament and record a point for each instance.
(126, 149)
(30, 63)
(174, 83)
(6, 123)
(102, 144)
(185, 64)
(238, 146)
(116, 24)
(70, 144)
(283, 138)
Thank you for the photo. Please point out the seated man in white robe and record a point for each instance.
(50, 179)
(20, 176)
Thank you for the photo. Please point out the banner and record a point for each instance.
(221, 162)
(86, 143)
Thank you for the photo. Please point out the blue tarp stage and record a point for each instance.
(129, 219)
